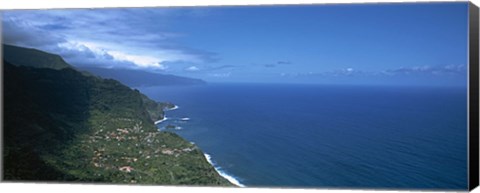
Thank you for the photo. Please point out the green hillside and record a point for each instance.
(32, 57)
(61, 125)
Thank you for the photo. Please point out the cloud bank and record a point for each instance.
(111, 38)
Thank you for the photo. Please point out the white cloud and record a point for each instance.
(429, 70)
(141, 61)
(109, 37)
(192, 68)
(221, 75)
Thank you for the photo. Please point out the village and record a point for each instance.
(132, 149)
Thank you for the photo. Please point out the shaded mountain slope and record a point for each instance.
(61, 125)
(31, 57)
(135, 78)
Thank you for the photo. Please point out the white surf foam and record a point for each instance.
(173, 108)
(161, 120)
(222, 173)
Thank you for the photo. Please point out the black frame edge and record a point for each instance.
(473, 133)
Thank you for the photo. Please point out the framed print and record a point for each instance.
(326, 96)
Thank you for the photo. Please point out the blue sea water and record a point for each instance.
(274, 135)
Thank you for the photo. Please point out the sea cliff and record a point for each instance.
(64, 125)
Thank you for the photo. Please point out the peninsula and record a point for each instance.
(61, 124)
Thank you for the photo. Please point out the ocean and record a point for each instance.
(325, 136)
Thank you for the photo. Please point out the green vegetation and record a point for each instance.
(33, 58)
(62, 125)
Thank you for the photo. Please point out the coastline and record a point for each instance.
(161, 120)
(222, 173)
(218, 169)
(171, 109)
(165, 116)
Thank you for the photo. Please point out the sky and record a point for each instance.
(400, 44)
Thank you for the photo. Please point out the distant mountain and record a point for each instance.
(134, 78)
(31, 57)
(62, 125)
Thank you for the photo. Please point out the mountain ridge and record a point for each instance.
(63, 125)
(19, 56)
(15, 55)
(135, 78)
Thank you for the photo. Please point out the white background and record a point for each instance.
(85, 188)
